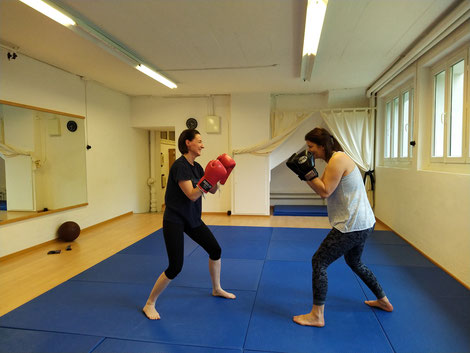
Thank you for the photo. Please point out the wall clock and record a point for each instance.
(72, 126)
(191, 123)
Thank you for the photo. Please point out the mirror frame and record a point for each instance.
(40, 213)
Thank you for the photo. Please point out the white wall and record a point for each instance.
(300, 102)
(155, 113)
(250, 126)
(348, 98)
(430, 208)
(117, 164)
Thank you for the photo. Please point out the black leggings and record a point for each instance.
(174, 241)
(335, 245)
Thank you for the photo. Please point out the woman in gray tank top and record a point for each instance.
(350, 216)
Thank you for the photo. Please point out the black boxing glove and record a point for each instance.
(303, 164)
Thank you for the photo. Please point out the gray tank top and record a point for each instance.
(348, 207)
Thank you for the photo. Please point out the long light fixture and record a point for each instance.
(55, 12)
(155, 75)
(50, 12)
(316, 10)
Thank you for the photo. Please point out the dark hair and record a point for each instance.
(323, 138)
(188, 134)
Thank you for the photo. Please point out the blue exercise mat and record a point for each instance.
(27, 341)
(431, 309)
(393, 255)
(295, 244)
(192, 316)
(269, 270)
(241, 242)
(300, 210)
(285, 291)
(126, 346)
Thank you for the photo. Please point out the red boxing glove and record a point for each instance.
(228, 163)
(213, 173)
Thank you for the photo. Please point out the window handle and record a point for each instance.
(443, 116)
(413, 143)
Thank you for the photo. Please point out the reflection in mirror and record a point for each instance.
(42, 161)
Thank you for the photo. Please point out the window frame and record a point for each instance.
(445, 65)
(390, 98)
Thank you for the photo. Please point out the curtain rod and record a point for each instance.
(326, 110)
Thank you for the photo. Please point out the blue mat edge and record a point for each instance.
(300, 210)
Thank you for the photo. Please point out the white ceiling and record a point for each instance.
(225, 46)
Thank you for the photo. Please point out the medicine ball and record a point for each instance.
(68, 231)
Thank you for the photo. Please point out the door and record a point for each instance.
(171, 157)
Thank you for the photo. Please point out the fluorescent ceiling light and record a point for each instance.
(92, 33)
(316, 10)
(156, 76)
(50, 12)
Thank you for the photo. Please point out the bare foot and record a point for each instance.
(383, 304)
(309, 320)
(221, 293)
(150, 311)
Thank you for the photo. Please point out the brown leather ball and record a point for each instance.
(68, 231)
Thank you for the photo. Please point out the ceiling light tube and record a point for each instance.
(156, 76)
(316, 10)
(50, 12)
(87, 30)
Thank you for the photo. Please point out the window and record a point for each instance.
(405, 126)
(449, 118)
(388, 113)
(456, 109)
(395, 120)
(398, 130)
(438, 120)
(167, 137)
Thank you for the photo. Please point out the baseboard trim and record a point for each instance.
(109, 220)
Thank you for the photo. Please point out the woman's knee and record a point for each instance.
(215, 253)
(354, 264)
(173, 270)
(317, 264)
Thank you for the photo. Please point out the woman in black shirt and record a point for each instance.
(183, 215)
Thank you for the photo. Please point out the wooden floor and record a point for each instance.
(28, 274)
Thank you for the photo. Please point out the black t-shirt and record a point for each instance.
(178, 208)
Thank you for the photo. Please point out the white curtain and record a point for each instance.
(354, 130)
(283, 125)
(10, 151)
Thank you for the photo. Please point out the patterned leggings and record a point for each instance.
(335, 245)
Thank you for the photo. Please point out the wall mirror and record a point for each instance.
(42, 161)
